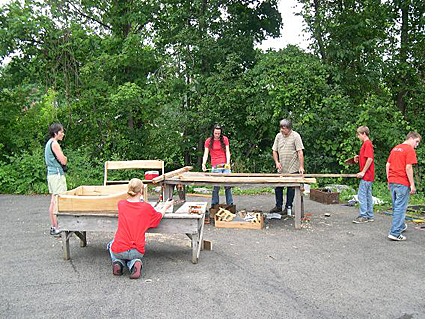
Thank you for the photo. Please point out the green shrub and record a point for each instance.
(24, 174)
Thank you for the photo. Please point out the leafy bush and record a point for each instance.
(24, 174)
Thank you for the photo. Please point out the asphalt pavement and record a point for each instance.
(331, 268)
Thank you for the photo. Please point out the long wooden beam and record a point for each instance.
(246, 179)
(171, 174)
(274, 175)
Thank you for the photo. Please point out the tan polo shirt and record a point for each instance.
(287, 149)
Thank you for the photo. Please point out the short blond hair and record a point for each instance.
(414, 135)
(363, 130)
(134, 187)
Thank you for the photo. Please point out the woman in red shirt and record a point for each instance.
(218, 146)
(135, 217)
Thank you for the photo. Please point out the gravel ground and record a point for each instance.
(331, 268)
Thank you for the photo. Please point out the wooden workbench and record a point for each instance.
(78, 215)
(236, 179)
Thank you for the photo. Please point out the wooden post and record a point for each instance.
(168, 191)
(195, 245)
(65, 245)
(83, 238)
(297, 207)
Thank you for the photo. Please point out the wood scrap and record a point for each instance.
(224, 215)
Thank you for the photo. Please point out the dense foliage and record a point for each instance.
(148, 79)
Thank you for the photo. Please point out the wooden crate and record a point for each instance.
(239, 224)
(324, 196)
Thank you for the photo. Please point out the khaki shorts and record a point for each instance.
(57, 184)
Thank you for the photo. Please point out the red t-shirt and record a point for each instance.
(134, 219)
(400, 156)
(218, 155)
(366, 151)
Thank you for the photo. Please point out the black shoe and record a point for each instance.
(284, 211)
(276, 210)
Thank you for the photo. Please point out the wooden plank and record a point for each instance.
(90, 203)
(274, 175)
(149, 164)
(242, 179)
(233, 184)
(112, 182)
(198, 195)
(102, 190)
(241, 225)
(171, 174)
(238, 224)
(110, 224)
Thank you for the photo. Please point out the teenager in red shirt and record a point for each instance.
(135, 217)
(366, 176)
(218, 146)
(400, 181)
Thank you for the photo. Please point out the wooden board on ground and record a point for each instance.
(239, 224)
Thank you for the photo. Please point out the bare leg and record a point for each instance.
(53, 219)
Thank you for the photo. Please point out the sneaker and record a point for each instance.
(276, 210)
(136, 270)
(360, 220)
(404, 228)
(399, 238)
(284, 211)
(117, 268)
(54, 231)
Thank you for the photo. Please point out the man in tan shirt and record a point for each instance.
(289, 159)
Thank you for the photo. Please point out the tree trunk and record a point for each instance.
(318, 28)
(404, 43)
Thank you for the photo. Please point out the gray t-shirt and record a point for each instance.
(287, 148)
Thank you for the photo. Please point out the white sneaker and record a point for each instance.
(399, 238)
(54, 231)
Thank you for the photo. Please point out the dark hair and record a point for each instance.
(217, 127)
(54, 129)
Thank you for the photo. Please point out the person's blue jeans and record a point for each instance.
(290, 194)
(365, 199)
(400, 196)
(125, 258)
(228, 190)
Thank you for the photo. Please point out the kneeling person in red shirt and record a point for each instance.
(135, 217)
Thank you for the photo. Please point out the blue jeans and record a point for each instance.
(125, 258)
(365, 199)
(290, 194)
(228, 190)
(400, 196)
